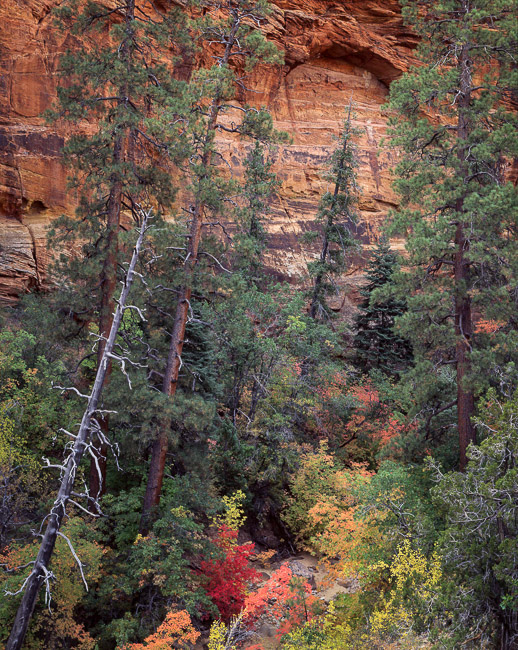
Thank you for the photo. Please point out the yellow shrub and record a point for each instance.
(415, 580)
(234, 515)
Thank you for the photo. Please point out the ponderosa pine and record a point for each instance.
(233, 37)
(455, 131)
(133, 101)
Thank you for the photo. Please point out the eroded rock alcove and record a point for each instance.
(335, 51)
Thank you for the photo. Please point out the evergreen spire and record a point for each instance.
(376, 343)
(337, 217)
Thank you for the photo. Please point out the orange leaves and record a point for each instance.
(285, 598)
(372, 419)
(345, 414)
(488, 326)
(324, 505)
(176, 631)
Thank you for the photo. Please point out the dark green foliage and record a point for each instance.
(148, 574)
(116, 82)
(480, 542)
(337, 220)
(376, 343)
(458, 212)
(262, 382)
(259, 186)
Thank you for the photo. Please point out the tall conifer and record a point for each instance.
(116, 85)
(231, 27)
(458, 212)
(337, 219)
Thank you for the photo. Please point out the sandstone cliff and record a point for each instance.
(335, 50)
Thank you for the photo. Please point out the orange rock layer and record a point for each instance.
(335, 51)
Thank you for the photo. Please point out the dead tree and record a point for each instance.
(41, 574)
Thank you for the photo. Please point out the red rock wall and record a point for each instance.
(335, 51)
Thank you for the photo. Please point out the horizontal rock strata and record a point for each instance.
(335, 51)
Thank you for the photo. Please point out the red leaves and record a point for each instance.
(285, 598)
(229, 576)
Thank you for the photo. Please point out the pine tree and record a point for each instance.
(234, 37)
(260, 184)
(455, 131)
(337, 218)
(376, 343)
(124, 165)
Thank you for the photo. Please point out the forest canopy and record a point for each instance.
(196, 454)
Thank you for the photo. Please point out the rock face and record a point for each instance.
(335, 50)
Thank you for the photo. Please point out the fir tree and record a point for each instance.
(376, 343)
(260, 184)
(459, 214)
(337, 218)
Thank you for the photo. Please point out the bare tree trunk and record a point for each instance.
(40, 571)
(174, 359)
(463, 315)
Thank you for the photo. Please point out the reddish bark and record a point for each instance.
(463, 315)
(170, 382)
(97, 478)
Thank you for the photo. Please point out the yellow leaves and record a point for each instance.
(234, 516)
(415, 581)
(295, 325)
(265, 557)
(221, 637)
(324, 508)
(218, 635)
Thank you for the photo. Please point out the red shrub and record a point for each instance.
(229, 576)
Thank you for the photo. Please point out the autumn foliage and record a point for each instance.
(176, 631)
(229, 575)
(285, 598)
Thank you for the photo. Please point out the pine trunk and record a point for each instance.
(97, 477)
(108, 286)
(463, 315)
(174, 359)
